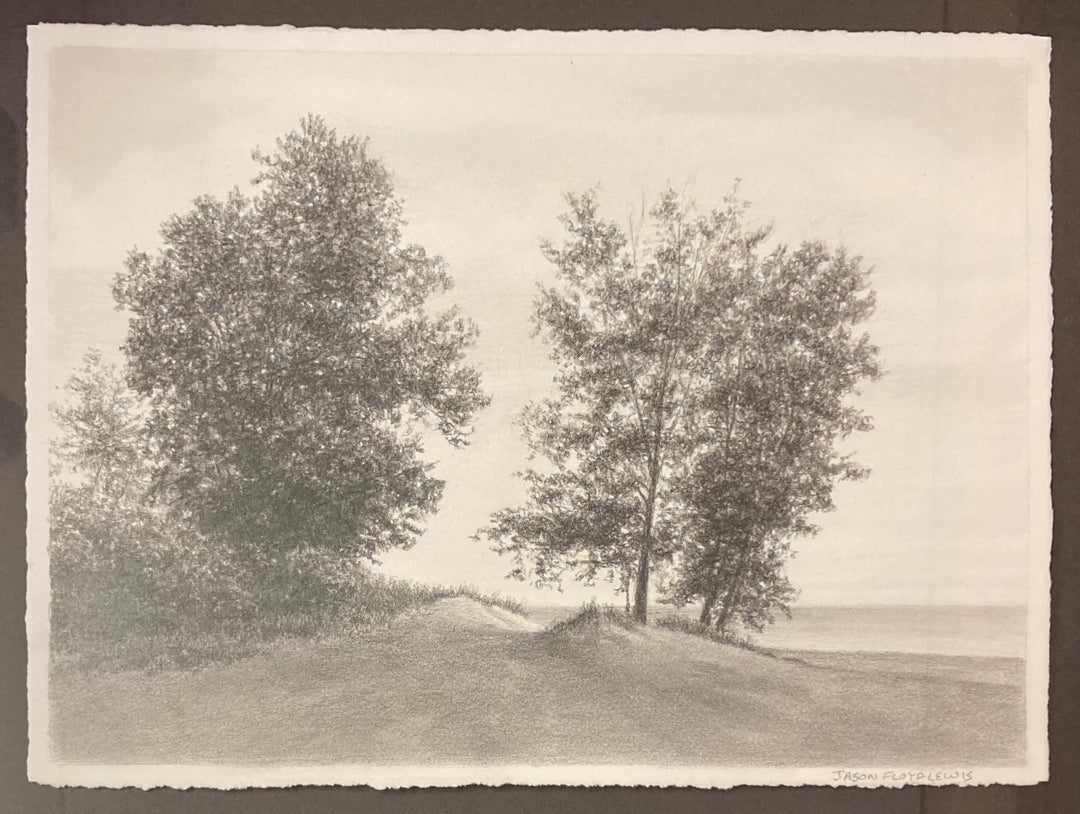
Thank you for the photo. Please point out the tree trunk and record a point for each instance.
(732, 593)
(641, 588)
(709, 604)
(714, 591)
(725, 613)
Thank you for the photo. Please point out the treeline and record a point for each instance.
(262, 442)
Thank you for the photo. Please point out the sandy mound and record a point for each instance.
(462, 612)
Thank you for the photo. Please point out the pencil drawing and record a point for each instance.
(438, 446)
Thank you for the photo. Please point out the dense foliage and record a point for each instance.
(135, 584)
(290, 358)
(703, 384)
(118, 566)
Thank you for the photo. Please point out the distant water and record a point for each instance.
(954, 631)
(951, 630)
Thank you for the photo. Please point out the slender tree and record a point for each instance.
(100, 440)
(769, 426)
(291, 357)
(99, 469)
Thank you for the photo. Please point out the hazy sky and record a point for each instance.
(918, 165)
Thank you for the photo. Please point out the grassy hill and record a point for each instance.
(460, 682)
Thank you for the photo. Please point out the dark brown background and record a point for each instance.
(1059, 19)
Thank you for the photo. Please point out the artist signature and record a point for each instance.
(915, 776)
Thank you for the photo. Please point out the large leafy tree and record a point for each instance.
(292, 357)
(698, 405)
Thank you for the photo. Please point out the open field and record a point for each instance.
(458, 682)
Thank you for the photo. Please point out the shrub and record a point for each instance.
(695, 628)
(593, 616)
(173, 601)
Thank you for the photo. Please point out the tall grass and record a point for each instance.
(593, 616)
(495, 600)
(695, 628)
